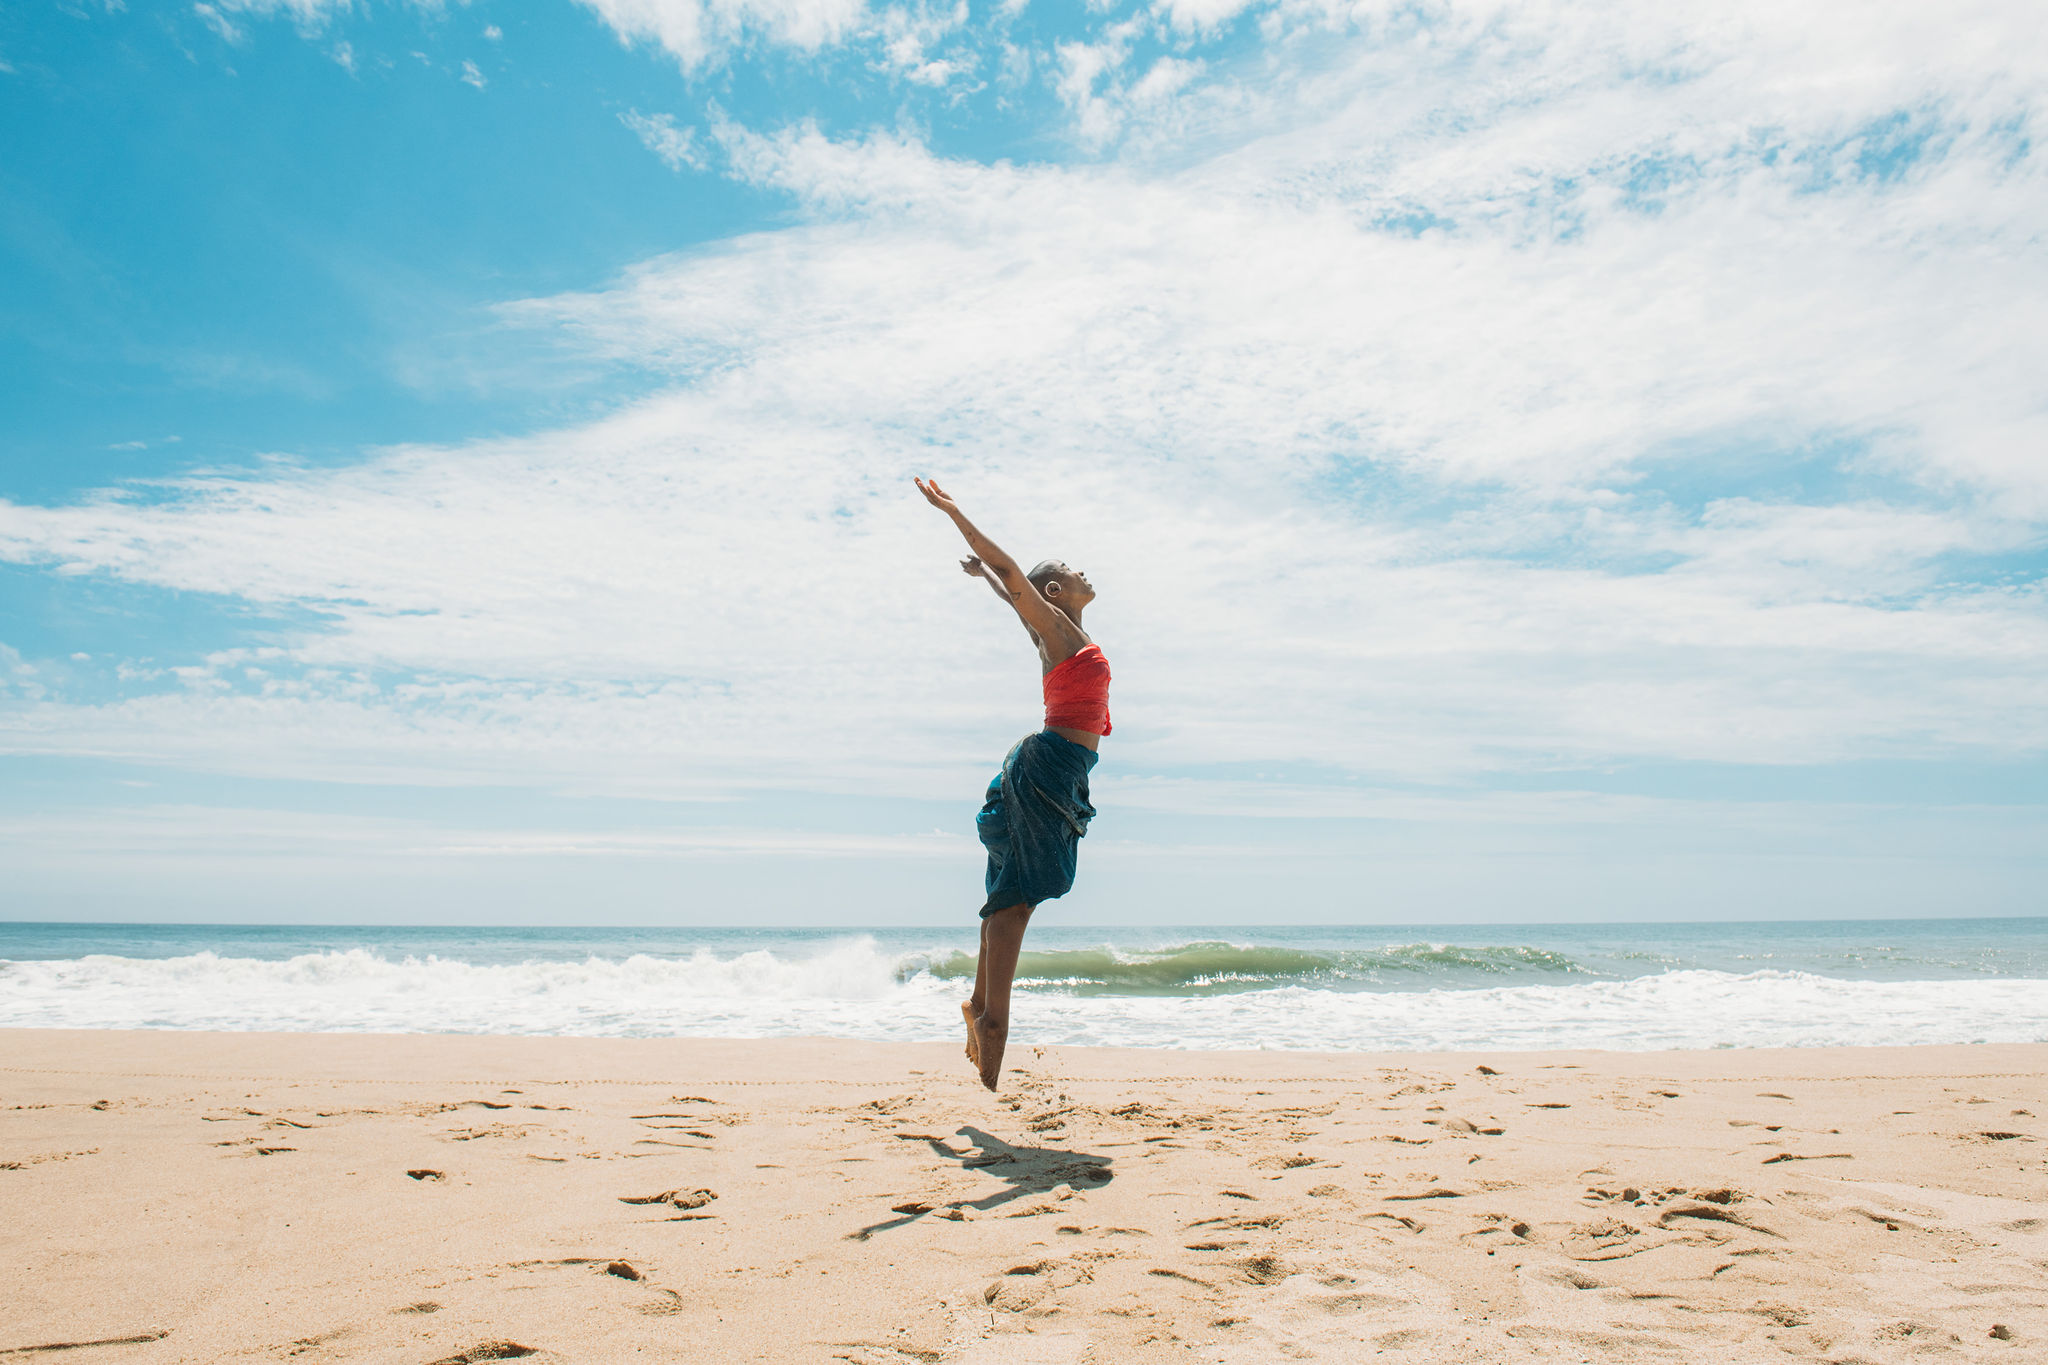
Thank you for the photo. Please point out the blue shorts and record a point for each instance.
(1033, 819)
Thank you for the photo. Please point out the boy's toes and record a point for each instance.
(973, 1048)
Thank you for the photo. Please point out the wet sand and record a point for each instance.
(224, 1197)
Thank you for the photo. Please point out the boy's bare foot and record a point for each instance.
(973, 1050)
(988, 1047)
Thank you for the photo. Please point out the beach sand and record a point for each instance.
(319, 1197)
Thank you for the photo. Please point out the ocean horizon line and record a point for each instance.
(967, 922)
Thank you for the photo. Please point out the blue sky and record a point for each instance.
(1541, 461)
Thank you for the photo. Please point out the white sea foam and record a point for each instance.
(851, 988)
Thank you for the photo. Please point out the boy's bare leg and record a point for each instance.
(1002, 938)
(970, 1008)
(980, 996)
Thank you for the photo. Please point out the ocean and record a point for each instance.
(1322, 988)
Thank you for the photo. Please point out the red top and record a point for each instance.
(1077, 693)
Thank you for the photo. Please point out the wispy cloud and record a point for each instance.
(309, 15)
(226, 29)
(909, 36)
(185, 832)
(1202, 16)
(695, 32)
(659, 133)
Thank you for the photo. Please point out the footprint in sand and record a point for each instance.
(1891, 1221)
(1027, 1286)
(682, 1199)
(488, 1350)
(301, 1345)
(1263, 1269)
(1271, 1220)
(667, 1303)
(1712, 1213)
(136, 1340)
(1463, 1127)
(1608, 1240)
(425, 1174)
(37, 1160)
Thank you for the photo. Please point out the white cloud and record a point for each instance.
(677, 147)
(188, 832)
(1433, 427)
(492, 33)
(225, 28)
(1096, 83)
(694, 32)
(1202, 15)
(472, 76)
(1084, 67)
(308, 15)
(907, 35)
(901, 37)
(1165, 78)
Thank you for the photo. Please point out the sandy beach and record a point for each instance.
(207, 1197)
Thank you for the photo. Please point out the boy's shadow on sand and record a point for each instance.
(1023, 1170)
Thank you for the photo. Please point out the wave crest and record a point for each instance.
(1178, 997)
(1209, 968)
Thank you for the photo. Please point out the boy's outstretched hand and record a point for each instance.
(936, 496)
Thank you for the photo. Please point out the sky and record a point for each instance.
(1540, 461)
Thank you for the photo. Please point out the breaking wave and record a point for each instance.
(1216, 967)
(1414, 997)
